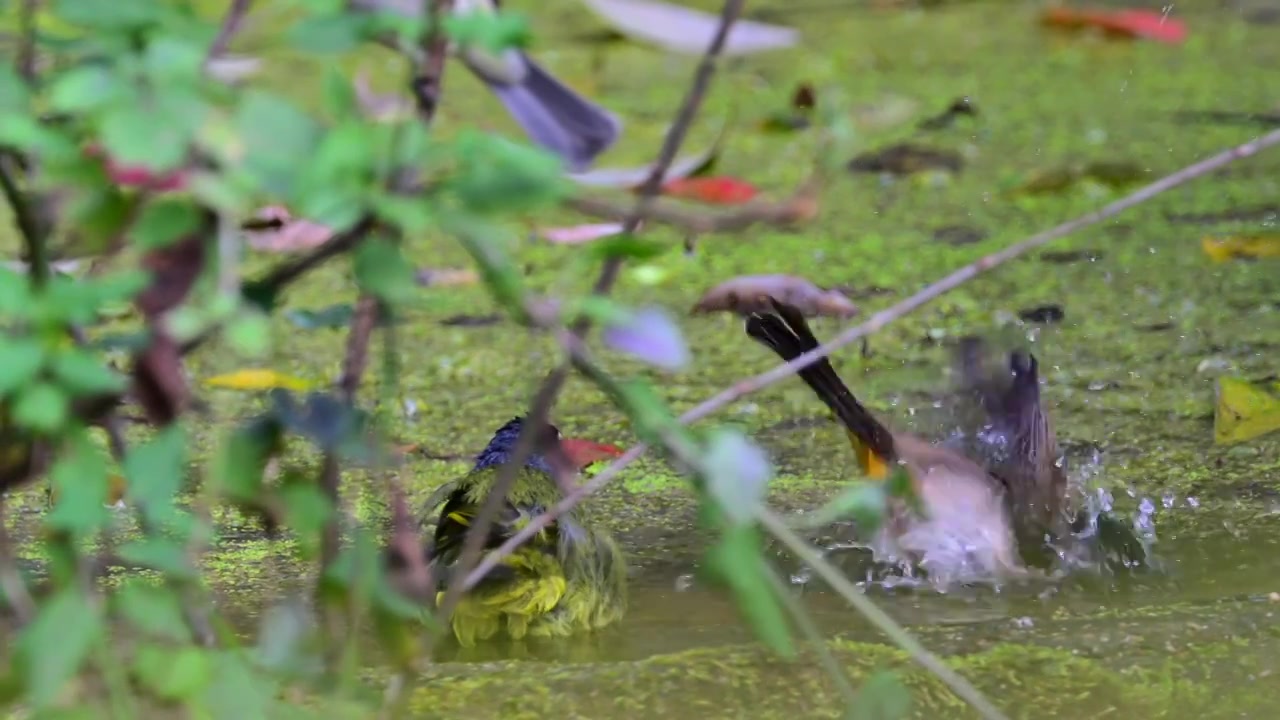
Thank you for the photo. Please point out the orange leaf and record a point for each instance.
(712, 190)
(1145, 24)
(585, 452)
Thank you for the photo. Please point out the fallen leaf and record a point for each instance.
(274, 229)
(256, 379)
(1224, 249)
(629, 178)
(684, 30)
(751, 293)
(711, 190)
(447, 277)
(580, 234)
(1131, 23)
(906, 159)
(1243, 412)
(586, 452)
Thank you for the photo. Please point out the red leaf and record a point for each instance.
(136, 176)
(585, 452)
(1146, 24)
(712, 190)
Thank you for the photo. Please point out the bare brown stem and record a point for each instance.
(230, 26)
(428, 79)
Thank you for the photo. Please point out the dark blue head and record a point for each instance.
(500, 448)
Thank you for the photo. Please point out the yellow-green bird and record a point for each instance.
(570, 577)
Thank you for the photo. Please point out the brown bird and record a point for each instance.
(974, 512)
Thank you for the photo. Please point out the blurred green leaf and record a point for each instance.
(496, 174)
(278, 138)
(306, 511)
(329, 33)
(84, 88)
(169, 58)
(82, 373)
(28, 135)
(156, 470)
(165, 220)
(20, 361)
(482, 241)
(865, 503)
(127, 342)
(14, 93)
(736, 560)
(109, 15)
(51, 649)
(147, 134)
(173, 673)
(489, 31)
(282, 634)
(162, 554)
(15, 293)
(629, 247)
(738, 474)
(80, 479)
(647, 409)
(154, 610)
(881, 697)
(239, 690)
(340, 99)
(381, 269)
(411, 214)
(41, 406)
(242, 457)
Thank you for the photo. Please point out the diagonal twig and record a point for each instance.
(230, 26)
(544, 399)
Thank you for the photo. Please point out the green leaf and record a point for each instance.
(865, 503)
(249, 333)
(410, 214)
(239, 690)
(156, 469)
(82, 373)
(80, 478)
(381, 269)
(173, 673)
(15, 293)
(84, 88)
(499, 175)
(278, 138)
(628, 247)
(20, 361)
(165, 220)
(169, 58)
(51, 649)
(345, 155)
(306, 512)
(496, 268)
(489, 31)
(41, 406)
(109, 15)
(881, 697)
(336, 33)
(15, 96)
(648, 411)
(736, 560)
(27, 134)
(162, 554)
(154, 610)
(340, 98)
(135, 134)
(241, 459)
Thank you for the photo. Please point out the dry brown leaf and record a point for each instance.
(751, 293)
(274, 229)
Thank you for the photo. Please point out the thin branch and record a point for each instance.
(27, 40)
(961, 687)
(428, 79)
(28, 225)
(875, 323)
(230, 26)
(544, 399)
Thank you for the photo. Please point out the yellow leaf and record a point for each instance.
(256, 379)
(1244, 412)
(1224, 249)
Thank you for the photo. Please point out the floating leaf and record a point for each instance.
(1113, 174)
(1224, 249)
(711, 190)
(256, 379)
(906, 159)
(649, 335)
(274, 229)
(579, 234)
(1243, 412)
(1133, 23)
(684, 30)
(752, 293)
